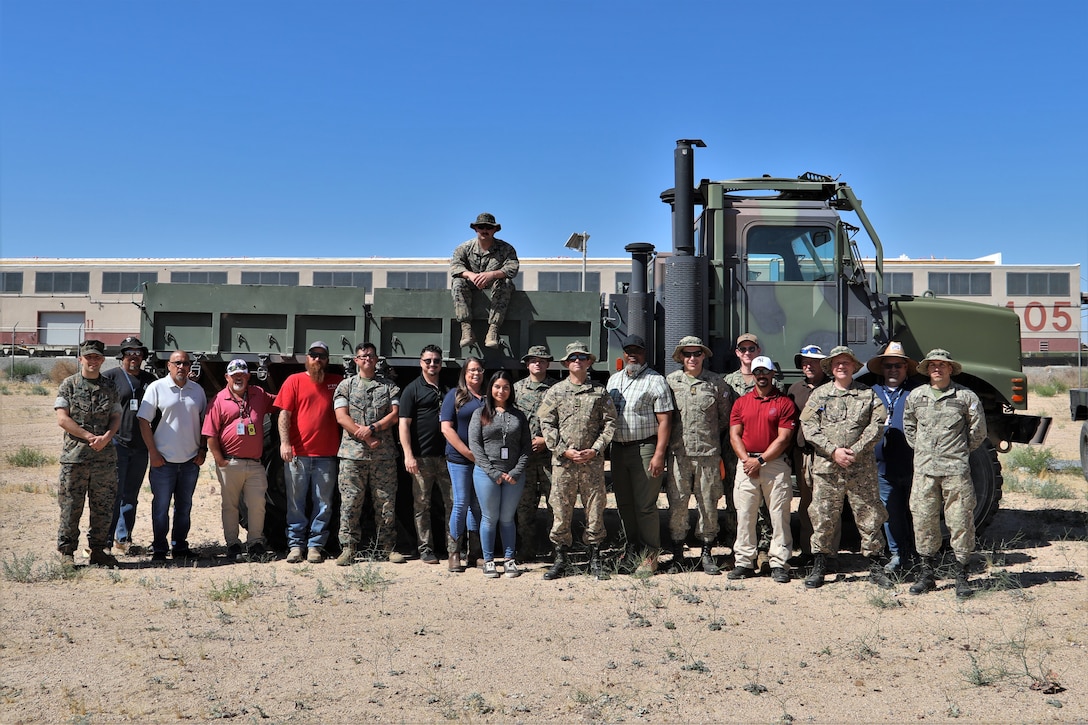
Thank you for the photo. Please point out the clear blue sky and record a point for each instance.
(272, 128)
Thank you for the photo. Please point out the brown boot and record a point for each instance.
(492, 339)
(468, 337)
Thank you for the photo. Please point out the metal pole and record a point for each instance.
(585, 246)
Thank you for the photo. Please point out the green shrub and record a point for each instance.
(20, 370)
(27, 457)
(1031, 459)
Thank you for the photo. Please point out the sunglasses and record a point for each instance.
(747, 348)
(578, 356)
(432, 361)
(691, 353)
(485, 227)
(319, 355)
(132, 353)
(893, 366)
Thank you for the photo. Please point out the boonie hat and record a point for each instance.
(131, 343)
(318, 345)
(939, 354)
(894, 349)
(689, 341)
(579, 347)
(747, 337)
(237, 366)
(486, 219)
(539, 351)
(812, 352)
(635, 341)
(763, 363)
(836, 352)
(92, 347)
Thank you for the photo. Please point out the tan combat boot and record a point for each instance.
(468, 337)
(492, 339)
(347, 556)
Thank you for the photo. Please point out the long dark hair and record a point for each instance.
(463, 393)
(487, 413)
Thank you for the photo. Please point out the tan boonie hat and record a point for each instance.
(92, 347)
(836, 352)
(486, 219)
(747, 337)
(690, 341)
(539, 351)
(578, 347)
(894, 349)
(939, 354)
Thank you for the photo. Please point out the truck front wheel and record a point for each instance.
(1084, 449)
(986, 475)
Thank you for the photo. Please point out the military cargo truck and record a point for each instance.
(780, 257)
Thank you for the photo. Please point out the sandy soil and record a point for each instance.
(415, 643)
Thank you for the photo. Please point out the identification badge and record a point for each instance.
(240, 429)
(504, 453)
(134, 404)
(251, 429)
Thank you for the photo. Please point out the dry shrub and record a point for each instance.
(61, 370)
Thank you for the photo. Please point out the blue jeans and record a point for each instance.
(177, 481)
(899, 528)
(466, 509)
(497, 502)
(309, 478)
(131, 467)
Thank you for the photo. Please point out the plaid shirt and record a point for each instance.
(637, 400)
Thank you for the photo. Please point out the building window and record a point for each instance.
(126, 282)
(895, 283)
(960, 284)
(11, 281)
(623, 282)
(62, 282)
(198, 277)
(344, 279)
(278, 279)
(567, 281)
(416, 280)
(1037, 284)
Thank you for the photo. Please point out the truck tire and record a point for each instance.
(986, 475)
(1084, 449)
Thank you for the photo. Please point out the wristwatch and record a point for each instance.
(761, 461)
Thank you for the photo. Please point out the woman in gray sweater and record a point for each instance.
(498, 436)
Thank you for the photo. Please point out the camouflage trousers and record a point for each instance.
(95, 482)
(958, 494)
(568, 482)
(699, 476)
(802, 462)
(355, 479)
(432, 471)
(463, 290)
(538, 482)
(828, 492)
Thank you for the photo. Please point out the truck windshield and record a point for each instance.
(790, 254)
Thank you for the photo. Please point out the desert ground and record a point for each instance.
(255, 642)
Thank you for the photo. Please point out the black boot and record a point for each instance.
(596, 568)
(963, 587)
(706, 559)
(925, 580)
(561, 567)
(677, 564)
(475, 550)
(815, 579)
(877, 575)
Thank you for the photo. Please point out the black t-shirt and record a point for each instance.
(422, 402)
(128, 389)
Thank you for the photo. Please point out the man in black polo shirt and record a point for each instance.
(424, 448)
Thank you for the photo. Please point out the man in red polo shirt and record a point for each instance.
(760, 430)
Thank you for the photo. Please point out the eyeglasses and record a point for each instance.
(365, 356)
(319, 355)
(691, 353)
(748, 348)
(577, 356)
(431, 361)
(182, 364)
(133, 353)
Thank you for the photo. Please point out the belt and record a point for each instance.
(752, 454)
(237, 458)
(651, 439)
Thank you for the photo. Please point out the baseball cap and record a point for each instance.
(237, 366)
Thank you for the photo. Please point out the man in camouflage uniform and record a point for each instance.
(367, 407)
(529, 394)
(943, 423)
(808, 362)
(703, 403)
(478, 264)
(578, 420)
(89, 413)
(842, 422)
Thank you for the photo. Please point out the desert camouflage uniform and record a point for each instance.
(469, 257)
(363, 468)
(84, 472)
(702, 413)
(528, 396)
(578, 417)
(852, 418)
(943, 427)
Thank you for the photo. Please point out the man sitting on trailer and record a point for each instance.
(478, 264)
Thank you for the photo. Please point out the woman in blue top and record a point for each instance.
(457, 409)
(498, 436)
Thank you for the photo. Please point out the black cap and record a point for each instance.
(634, 341)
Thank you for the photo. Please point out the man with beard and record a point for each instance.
(760, 428)
(309, 440)
(131, 381)
(234, 426)
(644, 419)
(176, 451)
(808, 361)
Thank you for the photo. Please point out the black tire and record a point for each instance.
(1084, 449)
(987, 478)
